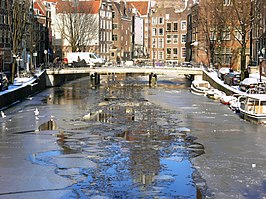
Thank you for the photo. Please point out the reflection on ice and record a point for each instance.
(122, 146)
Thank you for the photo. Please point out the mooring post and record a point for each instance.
(93, 80)
(150, 76)
(99, 78)
(154, 80)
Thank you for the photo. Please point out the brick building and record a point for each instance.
(5, 41)
(168, 33)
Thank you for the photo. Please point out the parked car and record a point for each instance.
(3, 82)
(248, 83)
(222, 72)
(232, 78)
(186, 64)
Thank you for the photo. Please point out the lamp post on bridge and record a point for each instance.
(261, 53)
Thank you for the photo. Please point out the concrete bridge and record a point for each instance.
(56, 76)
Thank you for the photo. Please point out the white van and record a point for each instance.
(91, 59)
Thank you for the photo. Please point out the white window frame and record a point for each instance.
(159, 30)
(175, 55)
(161, 55)
(183, 50)
(154, 20)
(183, 38)
(168, 39)
(160, 20)
(160, 43)
(175, 22)
(183, 25)
(175, 41)
(154, 31)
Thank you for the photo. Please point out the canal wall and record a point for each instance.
(21, 92)
(44, 80)
(215, 82)
(59, 79)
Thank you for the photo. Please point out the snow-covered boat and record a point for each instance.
(227, 99)
(234, 105)
(215, 94)
(253, 107)
(200, 87)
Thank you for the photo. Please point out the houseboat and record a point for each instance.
(252, 107)
(200, 87)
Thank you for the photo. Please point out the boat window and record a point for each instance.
(263, 107)
(250, 106)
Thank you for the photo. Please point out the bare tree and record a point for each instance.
(18, 11)
(212, 25)
(239, 17)
(33, 35)
(77, 25)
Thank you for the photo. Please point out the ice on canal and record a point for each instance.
(116, 144)
(125, 139)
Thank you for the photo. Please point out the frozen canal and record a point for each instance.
(127, 140)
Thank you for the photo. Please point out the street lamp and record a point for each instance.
(46, 57)
(18, 59)
(153, 46)
(260, 65)
(230, 58)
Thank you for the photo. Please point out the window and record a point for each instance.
(168, 26)
(213, 35)
(160, 43)
(160, 55)
(113, 14)
(161, 31)
(175, 52)
(114, 37)
(169, 39)
(238, 35)
(161, 20)
(226, 2)
(168, 53)
(226, 35)
(175, 28)
(183, 50)
(154, 20)
(175, 39)
(154, 55)
(115, 26)
(154, 31)
(183, 25)
(154, 43)
(167, 16)
(183, 39)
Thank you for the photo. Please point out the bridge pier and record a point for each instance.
(95, 79)
(152, 79)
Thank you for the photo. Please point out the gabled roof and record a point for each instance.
(89, 7)
(38, 4)
(141, 6)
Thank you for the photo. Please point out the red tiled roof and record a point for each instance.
(89, 7)
(141, 6)
(39, 6)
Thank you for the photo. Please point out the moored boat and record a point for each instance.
(215, 94)
(227, 99)
(252, 107)
(200, 87)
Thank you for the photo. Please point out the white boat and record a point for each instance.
(227, 99)
(215, 94)
(200, 87)
(253, 107)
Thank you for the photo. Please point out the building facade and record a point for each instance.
(5, 41)
(168, 34)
